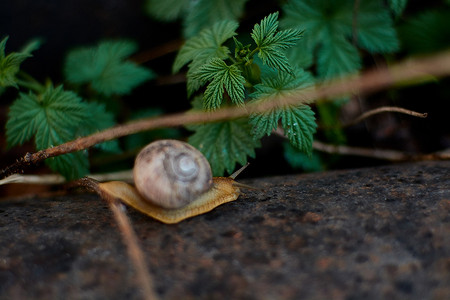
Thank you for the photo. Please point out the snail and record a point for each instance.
(173, 182)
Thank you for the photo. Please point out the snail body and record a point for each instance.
(173, 182)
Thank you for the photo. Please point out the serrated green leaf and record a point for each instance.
(337, 57)
(328, 23)
(98, 120)
(71, 166)
(264, 124)
(299, 56)
(271, 43)
(105, 68)
(376, 31)
(206, 45)
(224, 144)
(25, 114)
(168, 10)
(298, 122)
(53, 117)
(202, 14)
(10, 65)
(266, 28)
(221, 76)
(299, 126)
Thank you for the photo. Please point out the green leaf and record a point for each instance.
(224, 144)
(10, 65)
(299, 126)
(278, 84)
(105, 68)
(202, 14)
(397, 6)
(376, 31)
(99, 119)
(426, 32)
(168, 10)
(328, 26)
(31, 46)
(337, 57)
(53, 117)
(298, 122)
(24, 117)
(206, 45)
(300, 160)
(71, 166)
(221, 75)
(271, 43)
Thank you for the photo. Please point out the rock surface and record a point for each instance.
(376, 233)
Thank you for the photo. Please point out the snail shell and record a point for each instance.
(173, 182)
(171, 174)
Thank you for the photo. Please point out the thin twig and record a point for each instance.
(378, 79)
(54, 179)
(384, 154)
(382, 109)
(157, 52)
(134, 251)
(130, 239)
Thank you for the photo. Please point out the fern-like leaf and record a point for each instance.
(271, 43)
(10, 65)
(298, 122)
(224, 144)
(221, 76)
(206, 45)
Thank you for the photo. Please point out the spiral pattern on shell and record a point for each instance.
(171, 173)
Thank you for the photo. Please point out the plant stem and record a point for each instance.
(29, 82)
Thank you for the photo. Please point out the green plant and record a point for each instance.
(246, 75)
(318, 40)
(53, 115)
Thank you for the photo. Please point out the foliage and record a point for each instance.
(196, 15)
(313, 41)
(235, 80)
(10, 64)
(224, 143)
(104, 67)
(53, 118)
(332, 28)
(427, 32)
(52, 115)
(297, 121)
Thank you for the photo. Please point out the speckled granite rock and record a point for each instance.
(378, 233)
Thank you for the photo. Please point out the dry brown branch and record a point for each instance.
(382, 109)
(374, 80)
